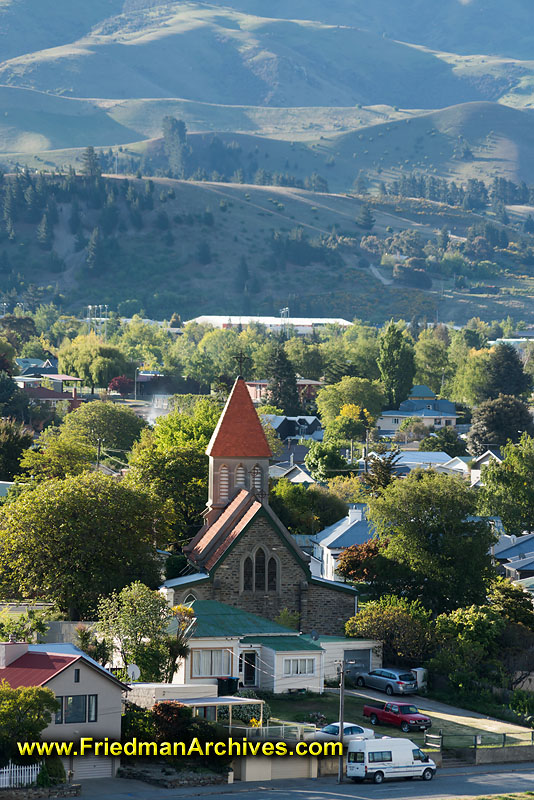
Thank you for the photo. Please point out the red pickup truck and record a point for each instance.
(406, 717)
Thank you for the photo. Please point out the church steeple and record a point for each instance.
(238, 452)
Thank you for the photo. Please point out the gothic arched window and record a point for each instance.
(248, 575)
(272, 575)
(259, 571)
(224, 481)
(189, 600)
(257, 479)
(240, 476)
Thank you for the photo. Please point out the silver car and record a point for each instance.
(351, 731)
(390, 680)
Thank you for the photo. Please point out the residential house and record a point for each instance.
(302, 427)
(295, 473)
(90, 697)
(409, 460)
(243, 555)
(478, 463)
(457, 466)
(261, 653)
(423, 404)
(329, 543)
(41, 396)
(306, 387)
(519, 568)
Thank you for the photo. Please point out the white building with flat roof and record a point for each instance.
(302, 325)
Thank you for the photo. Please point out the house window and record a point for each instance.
(240, 476)
(272, 575)
(92, 708)
(76, 676)
(396, 420)
(248, 575)
(59, 713)
(299, 666)
(259, 571)
(437, 422)
(75, 708)
(211, 663)
(448, 422)
(223, 483)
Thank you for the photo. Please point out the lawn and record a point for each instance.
(297, 708)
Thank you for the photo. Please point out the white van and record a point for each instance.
(378, 759)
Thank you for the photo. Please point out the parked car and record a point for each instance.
(405, 717)
(388, 758)
(390, 680)
(351, 731)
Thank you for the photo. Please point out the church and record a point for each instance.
(243, 555)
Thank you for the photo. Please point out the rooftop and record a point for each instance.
(35, 669)
(420, 390)
(283, 644)
(216, 619)
(239, 433)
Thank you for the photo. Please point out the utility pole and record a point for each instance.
(98, 451)
(340, 769)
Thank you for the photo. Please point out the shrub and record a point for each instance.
(245, 713)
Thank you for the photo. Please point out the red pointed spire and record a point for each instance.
(239, 433)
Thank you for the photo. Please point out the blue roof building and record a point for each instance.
(422, 403)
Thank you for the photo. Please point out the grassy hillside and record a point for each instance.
(212, 55)
(182, 253)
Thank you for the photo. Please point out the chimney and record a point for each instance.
(74, 393)
(10, 651)
(355, 515)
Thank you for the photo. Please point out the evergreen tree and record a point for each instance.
(443, 239)
(95, 250)
(381, 472)
(74, 219)
(91, 163)
(204, 252)
(366, 219)
(242, 275)
(396, 362)
(498, 421)
(282, 389)
(361, 184)
(45, 234)
(175, 144)
(505, 372)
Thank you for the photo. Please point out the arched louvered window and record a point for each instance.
(240, 476)
(248, 575)
(257, 479)
(259, 571)
(272, 575)
(224, 480)
(189, 600)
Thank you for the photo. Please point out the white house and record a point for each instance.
(90, 697)
(478, 464)
(329, 543)
(421, 404)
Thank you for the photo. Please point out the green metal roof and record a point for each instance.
(283, 644)
(420, 390)
(218, 619)
(327, 638)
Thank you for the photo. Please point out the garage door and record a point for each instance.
(357, 660)
(92, 767)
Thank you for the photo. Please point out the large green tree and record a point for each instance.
(70, 541)
(92, 360)
(325, 461)
(107, 425)
(431, 360)
(505, 373)
(282, 387)
(24, 714)
(428, 519)
(58, 454)
(178, 473)
(190, 427)
(14, 440)
(305, 510)
(396, 362)
(366, 394)
(497, 421)
(508, 488)
(444, 440)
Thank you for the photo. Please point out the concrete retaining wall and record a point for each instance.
(504, 755)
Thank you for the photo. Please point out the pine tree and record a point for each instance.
(94, 250)
(396, 362)
(242, 275)
(45, 234)
(74, 219)
(91, 163)
(366, 219)
(282, 389)
(443, 239)
(505, 374)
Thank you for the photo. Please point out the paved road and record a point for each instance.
(449, 783)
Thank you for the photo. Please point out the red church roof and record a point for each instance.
(35, 669)
(239, 433)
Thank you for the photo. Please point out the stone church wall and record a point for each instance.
(321, 609)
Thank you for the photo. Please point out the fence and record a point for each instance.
(14, 775)
(292, 731)
(452, 741)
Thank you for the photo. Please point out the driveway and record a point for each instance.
(447, 713)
